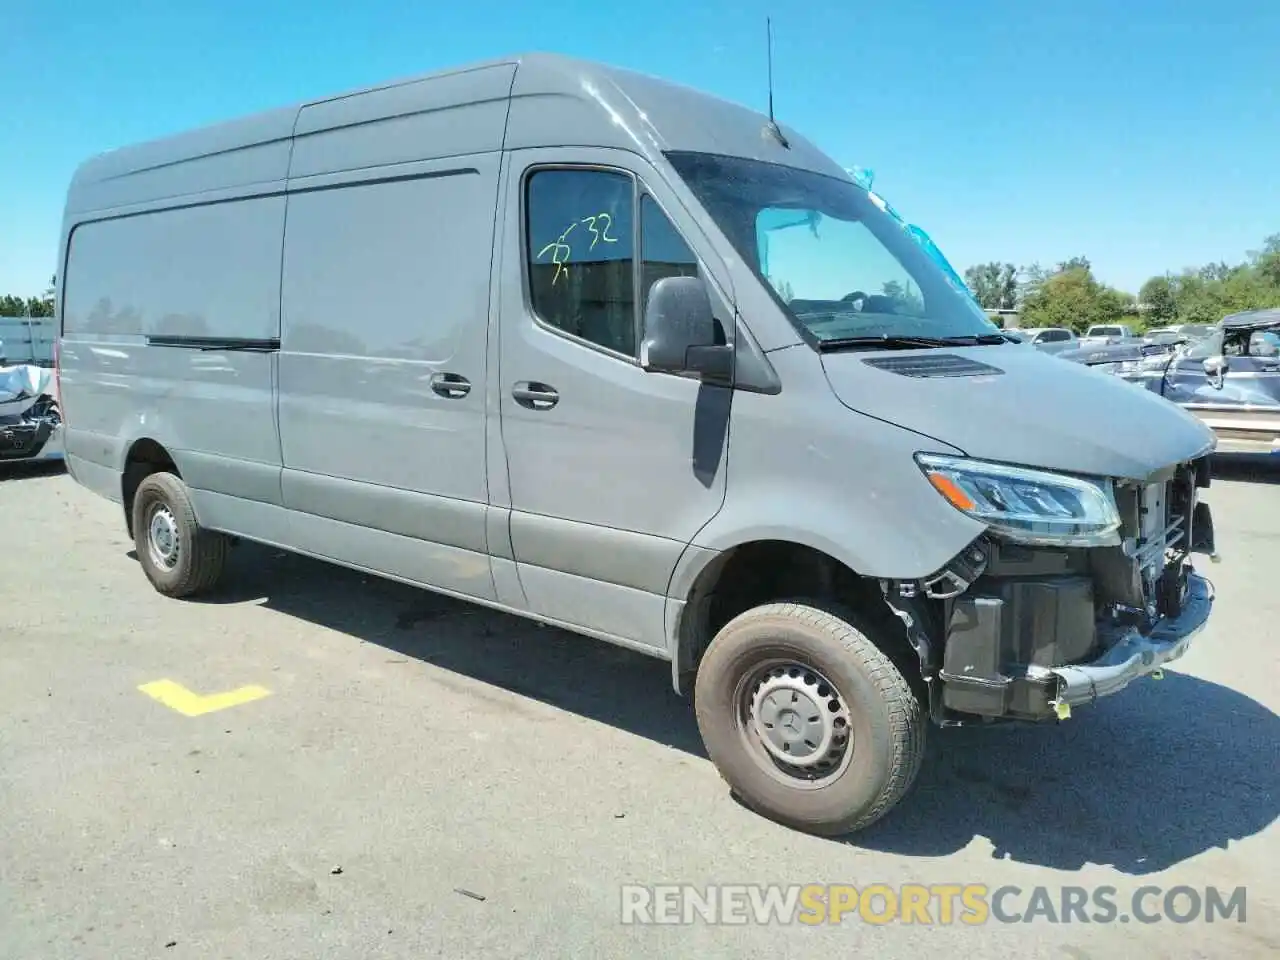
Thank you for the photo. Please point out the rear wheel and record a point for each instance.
(807, 719)
(179, 557)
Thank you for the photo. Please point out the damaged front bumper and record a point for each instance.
(1013, 631)
(1029, 655)
(1131, 656)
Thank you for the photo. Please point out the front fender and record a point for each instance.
(806, 469)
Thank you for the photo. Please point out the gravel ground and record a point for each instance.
(411, 748)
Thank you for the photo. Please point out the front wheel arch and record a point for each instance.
(767, 571)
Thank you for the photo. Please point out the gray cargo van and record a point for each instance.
(605, 352)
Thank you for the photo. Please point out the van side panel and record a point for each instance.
(386, 286)
(387, 257)
(237, 155)
(453, 115)
(202, 271)
(164, 277)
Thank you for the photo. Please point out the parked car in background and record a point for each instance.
(1178, 333)
(1108, 355)
(1051, 339)
(1106, 333)
(1230, 379)
(30, 421)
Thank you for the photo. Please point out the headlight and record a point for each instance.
(1029, 506)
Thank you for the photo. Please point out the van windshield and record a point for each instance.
(841, 266)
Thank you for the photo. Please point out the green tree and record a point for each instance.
(1075, 263)
(1157, 296)
(994, 285)
(1206, 294)
(42, 306)
(906, 296)
(1072, 297)
(1267, 260)
(1030, 279)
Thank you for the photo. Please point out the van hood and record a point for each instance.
(1020, 406)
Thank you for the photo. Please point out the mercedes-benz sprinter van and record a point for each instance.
(606, 352)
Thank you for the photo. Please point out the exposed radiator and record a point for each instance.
(1162, 534)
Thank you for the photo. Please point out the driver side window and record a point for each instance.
(581, 241)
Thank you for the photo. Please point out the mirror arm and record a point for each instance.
(712, 363)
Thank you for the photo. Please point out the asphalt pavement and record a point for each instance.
(331, 765)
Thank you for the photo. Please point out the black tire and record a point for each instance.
(884, 716)
(200, 555)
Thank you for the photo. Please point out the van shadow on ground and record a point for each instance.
(14, 470)
(1145, 780)
(1247, 468)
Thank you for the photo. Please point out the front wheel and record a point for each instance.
(807, 719)
(179, 557)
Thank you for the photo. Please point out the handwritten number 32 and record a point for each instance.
(598, 235)
(561, 251)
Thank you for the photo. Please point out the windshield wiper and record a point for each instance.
(979, 340)
(884, 342)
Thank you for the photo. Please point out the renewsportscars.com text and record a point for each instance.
(970, 904)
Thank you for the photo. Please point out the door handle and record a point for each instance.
(534, 395)
(450, 385)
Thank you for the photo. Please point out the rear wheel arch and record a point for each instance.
(144, 457)
(178, 556)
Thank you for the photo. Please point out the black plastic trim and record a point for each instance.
(229, 344)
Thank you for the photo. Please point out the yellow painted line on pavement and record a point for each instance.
(189, 704)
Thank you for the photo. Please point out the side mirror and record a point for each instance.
(680, 331)
(1215, 368)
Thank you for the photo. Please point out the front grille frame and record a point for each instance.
(1162, 548)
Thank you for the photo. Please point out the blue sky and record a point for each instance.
(1144, 134)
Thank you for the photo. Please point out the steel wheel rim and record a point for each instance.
(163, 542)
(796, 722)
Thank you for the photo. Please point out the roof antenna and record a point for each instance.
(773, 127)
